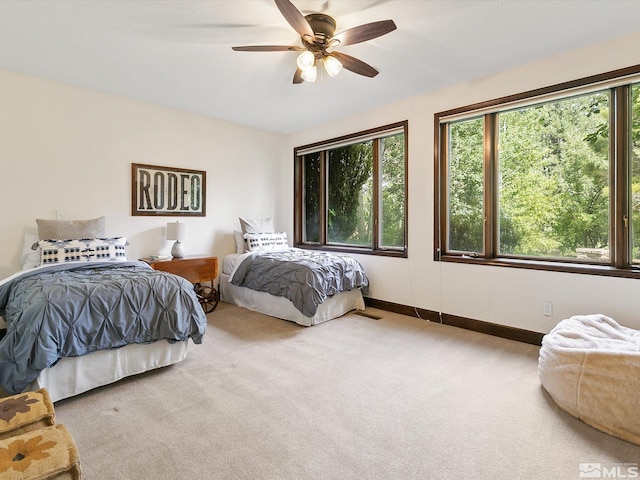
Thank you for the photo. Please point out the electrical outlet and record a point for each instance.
(547, 309)
(60, 215)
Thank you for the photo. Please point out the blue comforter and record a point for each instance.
(70, 310)
(306, 278)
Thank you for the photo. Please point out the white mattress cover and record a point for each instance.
(281, 307)
(75, 375)
(231, 261)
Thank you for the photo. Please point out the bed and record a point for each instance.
(326, 285)
(268, 276)
(75, 325)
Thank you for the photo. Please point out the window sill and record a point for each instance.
(548, 265)
(354, 250)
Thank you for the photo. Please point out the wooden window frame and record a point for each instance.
(619, 83)
(375, 134)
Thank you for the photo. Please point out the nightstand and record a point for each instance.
(199, 270)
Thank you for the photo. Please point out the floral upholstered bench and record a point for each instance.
(32, 446)
(25, 412)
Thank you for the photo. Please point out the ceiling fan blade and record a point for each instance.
(297, 77)
(267, 48)
(355, 65)
(296, 19)
(365, 32)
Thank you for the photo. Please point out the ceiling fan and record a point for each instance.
(316, 31)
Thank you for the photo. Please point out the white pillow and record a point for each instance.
(30, 251)
(91, 249)
(257, 225)
(262, 242)
(240, 242)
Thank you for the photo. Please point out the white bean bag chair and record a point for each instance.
(590, 365)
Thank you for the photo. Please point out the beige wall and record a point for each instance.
(500, 295)
(67, 148)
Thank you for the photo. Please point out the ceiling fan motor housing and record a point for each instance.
(323, 26)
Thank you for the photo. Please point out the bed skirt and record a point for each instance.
(75, 375)
(281, 307)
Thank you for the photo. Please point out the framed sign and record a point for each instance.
(166, 191)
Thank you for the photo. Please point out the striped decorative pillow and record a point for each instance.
(87, 250)
(261, 242)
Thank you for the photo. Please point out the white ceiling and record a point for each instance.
(177, 53)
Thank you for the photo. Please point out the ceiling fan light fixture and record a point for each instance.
(305, 60)
(317, 34)
(332, 65)
(309, 74)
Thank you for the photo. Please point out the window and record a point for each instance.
(548, 179)
(351, 192)
(466, 207)
(635, 169)
(553, 179)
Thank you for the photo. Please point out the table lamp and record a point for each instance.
(177, 231)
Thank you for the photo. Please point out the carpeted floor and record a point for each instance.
(354, 398)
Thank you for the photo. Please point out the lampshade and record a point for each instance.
(332, 65)
(305, 60)
(309, 74)
(176, 231)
